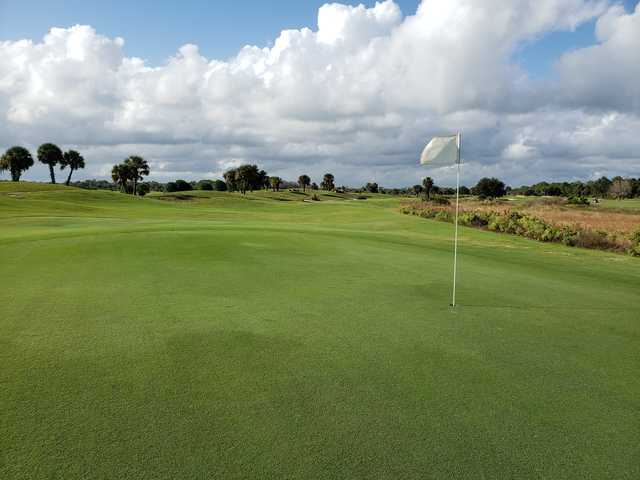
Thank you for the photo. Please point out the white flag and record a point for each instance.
(441, 151)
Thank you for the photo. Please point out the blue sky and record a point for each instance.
(155, 29)
(359, 98)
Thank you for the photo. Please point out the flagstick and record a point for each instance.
(455, 241)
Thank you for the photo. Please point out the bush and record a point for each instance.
(315, 198)
(440, 200)
(519, 223)
(143, 189)
(635, 244)
(577, 200)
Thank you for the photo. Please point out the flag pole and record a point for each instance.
(455, 241)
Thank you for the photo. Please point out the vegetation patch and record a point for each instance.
(558, 227)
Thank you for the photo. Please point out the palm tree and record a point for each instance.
(73, 160)
(121, 174)
(328, 182)
(16, 160)
(139, 169)
(275, 183)
(50, 155)
(230, 179)
(304, 181)
(427, 183)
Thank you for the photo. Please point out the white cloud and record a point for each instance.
(606, 75)
(358, 96)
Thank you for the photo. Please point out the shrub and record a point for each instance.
(577, 200)
(315, 198)
(443, 215)
(529, 226)
(440, 200)
(635, 244)
(143, 189)
(593, 239)
(473, 219)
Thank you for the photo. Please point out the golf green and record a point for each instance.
(211, 335)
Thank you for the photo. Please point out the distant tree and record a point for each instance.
(230, 179)
(620, 188)
(73, 160)
(417, 190)
(490, 188)
(371, 187)
(328, 182)
(464, 190)
(139, 168)
(219, 186)
(204, 185)
(248, 177)
(601, 187)
(427, 187)
(171, 187)
(183, 186)
(635, 187)
(143, 189)
(50, 155)
(155, 186)
(263, 180)
(314, 186)
(94, 185)
(275, 183)
(16, 160)
(121, 174)
(304, 181)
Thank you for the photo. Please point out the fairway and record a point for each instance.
(215, 335)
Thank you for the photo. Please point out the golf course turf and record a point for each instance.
(211, 335)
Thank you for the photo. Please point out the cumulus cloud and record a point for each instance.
(358, 96)
(605, 76)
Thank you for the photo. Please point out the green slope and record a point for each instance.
(233, 337)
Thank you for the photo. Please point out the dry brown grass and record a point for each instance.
(560, 214)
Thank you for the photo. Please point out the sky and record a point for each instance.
(541, 89)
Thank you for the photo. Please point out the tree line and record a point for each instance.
(249, 178)
(128, 175)
(617, 187)
(18, 160)
(127, 178)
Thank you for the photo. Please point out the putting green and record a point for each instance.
(219, 336)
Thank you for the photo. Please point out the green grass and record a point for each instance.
(630, 204)
(232, 337)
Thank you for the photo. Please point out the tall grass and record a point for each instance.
(545, 221)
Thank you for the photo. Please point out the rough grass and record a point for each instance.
(556, 211)
(588, 227)
(251, 338)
